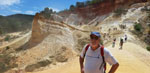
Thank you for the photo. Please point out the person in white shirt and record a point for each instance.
(94, 61)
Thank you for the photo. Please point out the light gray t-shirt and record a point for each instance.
(93, 60)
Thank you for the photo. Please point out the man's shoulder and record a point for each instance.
(106, 50)
(85, 46)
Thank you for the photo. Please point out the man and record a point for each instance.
(114, 41)
(93, 58)
(125, 38)
(121, 43)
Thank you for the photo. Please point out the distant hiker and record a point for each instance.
(62, 22)
(80, 23)
(109, 30)
(121, 43)
(96, 56)
(114, 28)
(100, 28)
(125, 38)
(97, 23)
(104, 35)
(114, 41)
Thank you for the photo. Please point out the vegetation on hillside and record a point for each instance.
(47, 12)
(142, 28)
(15, 23)
(138, 27)
(7, 62)
(120, 11)
(148, 48)
(86, 3)
(40, 64)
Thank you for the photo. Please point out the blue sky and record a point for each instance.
(8, 7)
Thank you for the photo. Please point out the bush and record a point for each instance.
(7, 47)
(80, 4)
(72, 8)
(61, 58)
(120, 11)
(6, 63)
(32, 67)
(47, 12)
(138, 27)
(148, 15)
(94, 2)
(148, 48)
(149, 32)
(7, 38)
(3, 67)
(81, 42)
(145, 9)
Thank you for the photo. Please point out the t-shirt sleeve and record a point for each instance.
(109, 57)
(83, 51)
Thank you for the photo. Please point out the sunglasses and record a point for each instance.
(94, 37)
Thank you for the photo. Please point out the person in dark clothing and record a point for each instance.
(125, 38)
(121, 43)
(114, 41)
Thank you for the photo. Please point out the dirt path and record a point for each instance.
(129, 61)
(17, 42)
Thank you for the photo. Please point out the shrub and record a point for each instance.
(138, 27)
(47, 12)
(148, 48)
(81, 42)
(80, 4)
(148, 15)
(32, 67)
(7, 38)
(3, 67)
(149, 32)
(7, 47)
(120, 11)
(61, 58)
(72, 8)
(95, 1)
(6, 62)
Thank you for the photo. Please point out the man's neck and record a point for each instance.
(94, 48)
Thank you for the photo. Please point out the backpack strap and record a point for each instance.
(86, 48)
(102, 54)
(102, 50)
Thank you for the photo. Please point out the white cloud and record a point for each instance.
(9, 2)
(54, 9)
(16, 11)
(29, 12)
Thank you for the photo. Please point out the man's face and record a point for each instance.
(94, 40)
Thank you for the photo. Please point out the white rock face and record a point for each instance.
(49, 38)
(57, 18)
(73, 19)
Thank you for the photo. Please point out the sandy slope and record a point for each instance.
(129, 61)
(17, 42)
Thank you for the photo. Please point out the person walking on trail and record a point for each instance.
(96, 57)
(125, 38)
(121, 43)
(114, 41)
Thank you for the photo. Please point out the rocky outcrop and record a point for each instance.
(74, 19)
(104, 7)
(57, 18)
(42, 27)
(50, 40)
(37, 31)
